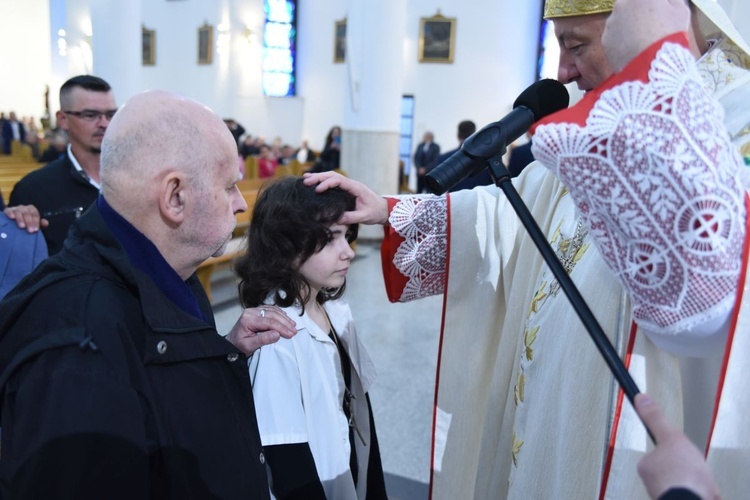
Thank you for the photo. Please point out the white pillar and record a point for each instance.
(59, 53)
(374, 57)
(116, 45)
(739, 9)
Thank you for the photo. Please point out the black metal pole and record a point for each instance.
(502, 177)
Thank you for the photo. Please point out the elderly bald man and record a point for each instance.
(115, 382)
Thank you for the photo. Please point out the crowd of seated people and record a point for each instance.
(274, 154)
(42, 146)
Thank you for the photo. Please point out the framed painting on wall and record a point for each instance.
(148, 46)
(339, 41)
(205, 44)
(437, 39)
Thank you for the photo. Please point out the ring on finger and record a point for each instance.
(262, 313)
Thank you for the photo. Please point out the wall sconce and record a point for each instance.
(62, 43)
(222, 40)
(250, 36)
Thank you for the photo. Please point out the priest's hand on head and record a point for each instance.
(634, 25)
(370, 208)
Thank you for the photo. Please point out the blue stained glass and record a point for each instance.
(279, 48)
(278, 60)
(406, 125)
(278, 85)
(405, 146)
(407, 106)
(278, 35)
(279, 11)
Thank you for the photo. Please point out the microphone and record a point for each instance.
(540, 99)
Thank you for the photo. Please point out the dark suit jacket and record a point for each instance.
(20, 253)
(60, 194)
(520, 156)
(8, 135)
(428, 159)
(481, 179)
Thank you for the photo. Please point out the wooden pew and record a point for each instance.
(21, 151)
(299, 168)
(235, 248)
(12, 172)
(237, 245)
(251, 167)
(243, 219)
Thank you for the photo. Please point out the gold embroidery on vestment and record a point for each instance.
(528, 338)
(519, 391)
(539, 297)
(569, 251)
(516, 449)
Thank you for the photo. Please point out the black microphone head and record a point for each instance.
(543, 98)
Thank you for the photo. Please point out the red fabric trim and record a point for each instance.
(733, 327)
(395, 282)
(440, 343)
(636, 70)
(618, 414)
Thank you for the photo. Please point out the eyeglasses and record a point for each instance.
(91, 115)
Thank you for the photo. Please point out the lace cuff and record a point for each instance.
(655, 176)
(421, 257)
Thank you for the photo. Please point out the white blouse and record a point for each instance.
(298, 390)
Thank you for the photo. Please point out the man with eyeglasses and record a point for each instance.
(54, 196)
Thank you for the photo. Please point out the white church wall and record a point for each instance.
(320, 82)
(25, 56)
(738, 11)
(495, 57)
(491, 66)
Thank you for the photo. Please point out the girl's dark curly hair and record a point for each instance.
(290, 223)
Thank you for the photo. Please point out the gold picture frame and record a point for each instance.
(339, 41)
(148, 47)
(437, 39)
(205, 44)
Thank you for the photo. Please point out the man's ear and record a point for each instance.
(173, 197)
(62, 119)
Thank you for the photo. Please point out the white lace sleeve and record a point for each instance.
(421, 257)
(655, 176)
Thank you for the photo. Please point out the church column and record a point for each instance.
(739, 9)
(374, 57)
(116, 45)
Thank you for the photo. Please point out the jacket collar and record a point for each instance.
(92, 246)
(144, 256)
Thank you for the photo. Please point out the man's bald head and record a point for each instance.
(169, 167)
(155, 132)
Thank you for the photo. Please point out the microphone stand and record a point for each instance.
(501, 176)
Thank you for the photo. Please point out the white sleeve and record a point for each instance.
(277, 392)
(656, 177)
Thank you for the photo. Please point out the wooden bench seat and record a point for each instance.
(235, 248)
(12, 172)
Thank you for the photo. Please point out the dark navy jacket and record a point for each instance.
(109, 390)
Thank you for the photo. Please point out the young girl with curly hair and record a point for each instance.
(310, 391)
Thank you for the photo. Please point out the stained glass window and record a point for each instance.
(280, 48)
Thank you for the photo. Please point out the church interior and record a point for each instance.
(288, 71)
